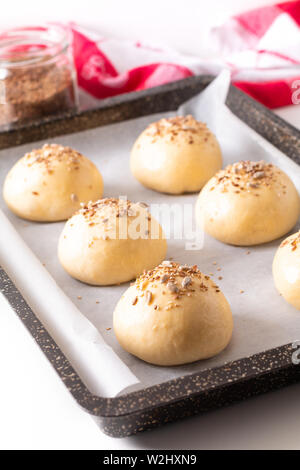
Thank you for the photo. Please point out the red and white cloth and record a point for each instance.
(261, 48)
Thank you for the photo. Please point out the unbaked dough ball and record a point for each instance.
(173, 315)
(48, 184)
(176, 155)
(286, 269)
(248, 203)
(111, 241)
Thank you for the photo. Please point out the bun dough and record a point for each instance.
(248, 203)
(176, 155)
(286, 269)
(111, 241)
(173, 315)
(49, 183)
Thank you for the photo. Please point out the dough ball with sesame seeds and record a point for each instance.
(48, 184)
(173, 315)
(176, 155)
(286, 269)
(248, 203)
(111, 241)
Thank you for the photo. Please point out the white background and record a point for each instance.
(36, 411)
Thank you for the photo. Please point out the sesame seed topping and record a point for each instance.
(149, 297)
(186, 281)
(293, 241)
(167, 263)
(183, 127)
(50, 154)
(258, 175)
(246, 176)
(179, 281)
(108, 209)
(172, 287)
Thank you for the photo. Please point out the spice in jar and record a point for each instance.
(37, 76)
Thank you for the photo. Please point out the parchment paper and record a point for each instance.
(262, 318)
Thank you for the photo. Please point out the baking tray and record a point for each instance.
(192, 394)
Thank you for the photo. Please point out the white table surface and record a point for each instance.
(36, 410)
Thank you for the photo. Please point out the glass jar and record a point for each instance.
(37, 75)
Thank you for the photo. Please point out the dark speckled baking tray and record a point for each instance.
(189, 395)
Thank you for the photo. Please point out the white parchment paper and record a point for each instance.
(81, 326)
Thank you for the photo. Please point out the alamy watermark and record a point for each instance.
(131, 221)
(296, 353)
(296, 92)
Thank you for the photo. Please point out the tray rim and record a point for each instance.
(176, 390)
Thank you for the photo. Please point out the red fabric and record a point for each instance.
(292, 8)
(259, 20)
(97, 75)
(277, 93)
(261, 48)
(271, 94)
